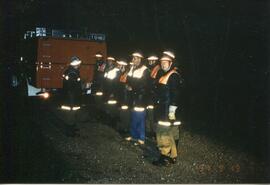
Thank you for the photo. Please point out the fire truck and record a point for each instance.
(46, 54)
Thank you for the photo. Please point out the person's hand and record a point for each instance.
(171, 116)
(129, 88)
(172, 110)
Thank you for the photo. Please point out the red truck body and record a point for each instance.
(53, 57)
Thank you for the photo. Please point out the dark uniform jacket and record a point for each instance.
(99, 75)
(151, 96)
(123, 94)
(167, 92)
(111, 78)
(72, 86)
(138, 79)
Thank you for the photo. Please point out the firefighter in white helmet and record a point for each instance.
(111, 78)
(168, 82)
(175, 129)
(72, 82)
(137, 81)
(72, 91)
(156, 65)
(123, 92)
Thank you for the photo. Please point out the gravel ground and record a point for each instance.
(100, 155)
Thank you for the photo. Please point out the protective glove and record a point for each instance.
(172, 110)
(129, 88)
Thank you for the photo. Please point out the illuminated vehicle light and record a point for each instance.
(112, 102)
(139, 109)
(46, 95)
(76, 108)
(150, 107)
(65, 107)
(99, 93)
(124, 107)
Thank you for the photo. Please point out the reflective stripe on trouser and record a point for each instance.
(137, 129)
(165, 141)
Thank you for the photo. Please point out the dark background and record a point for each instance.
(221, 47)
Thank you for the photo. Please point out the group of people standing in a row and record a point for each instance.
(146, 90)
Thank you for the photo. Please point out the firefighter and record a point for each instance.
(150, 121)
(98, 83)
(123, 98)
(72, 92)
(99, 75)
(111, 78)
(72, 83)
(170, 54)
(168, 89)
(122, 90)
(137, 84)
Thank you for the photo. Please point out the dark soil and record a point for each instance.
(41, 152)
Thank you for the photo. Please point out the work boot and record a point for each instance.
(139, 142)
(129, 138)
(174, 160)
(162, 161)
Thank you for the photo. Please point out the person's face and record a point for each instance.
(110, 62)
(122, 68)
(98, 58)
(77, 66)
(165, 65)
(152, 62)
(136, 61)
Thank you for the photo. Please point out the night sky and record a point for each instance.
(220, 45)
